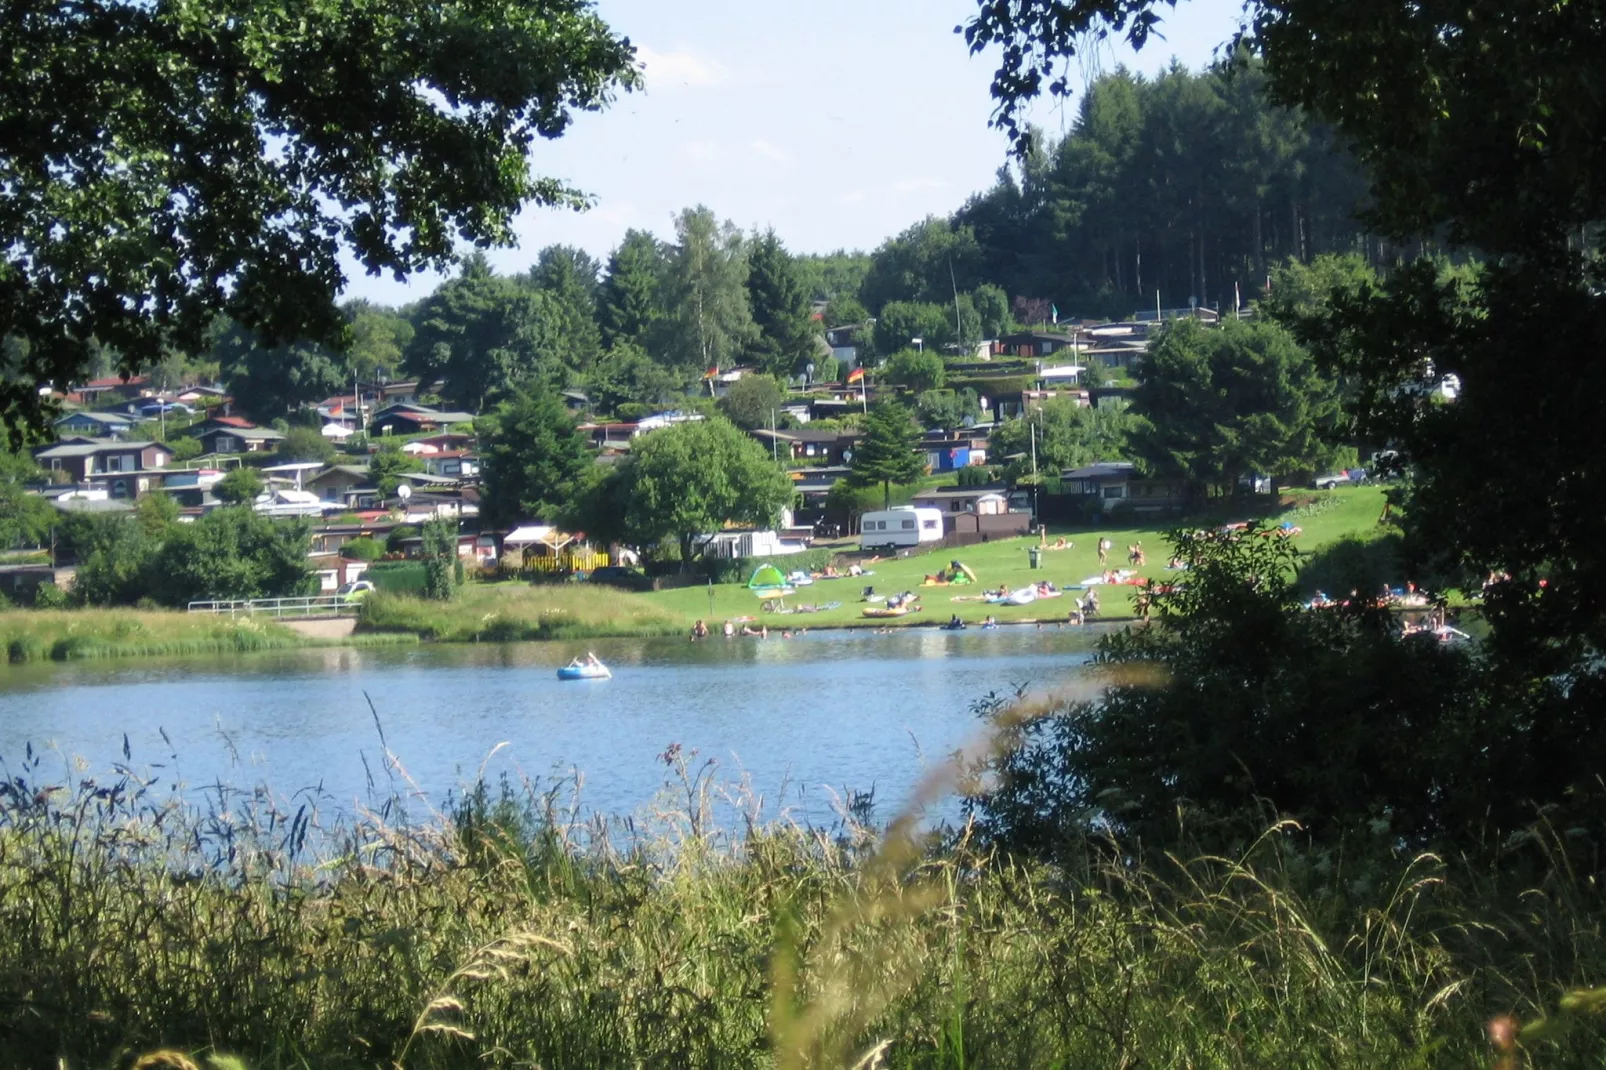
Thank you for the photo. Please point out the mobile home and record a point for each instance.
(906, 525)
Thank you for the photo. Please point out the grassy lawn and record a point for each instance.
(1352, 510)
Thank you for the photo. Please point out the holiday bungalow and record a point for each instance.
(112, 388)
(1032, 344)
(443, 443)
(456, 464)
(343, 484)
(408, 419)
(991, 499)
(230, 438)
(97, 424)
(807, 444)
(80, 459)
(1118, 484)
(947, 451)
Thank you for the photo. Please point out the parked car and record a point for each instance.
(355, 591)
(1328, 482)
(618, 576)
(157, 408)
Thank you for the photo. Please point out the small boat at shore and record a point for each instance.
(586, 668)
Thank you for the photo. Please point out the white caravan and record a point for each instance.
(907, 525)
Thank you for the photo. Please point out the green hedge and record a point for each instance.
(397, 577)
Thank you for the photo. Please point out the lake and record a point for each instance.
(799, 719)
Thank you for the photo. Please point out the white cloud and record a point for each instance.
(700, 151)
(770, 151)
(915, 185)
(852, 196)
(673, 70)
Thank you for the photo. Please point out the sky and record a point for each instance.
(837, 122)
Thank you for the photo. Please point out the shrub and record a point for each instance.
(1355, 564)
(398, 535)
(397, 577)
(362, 549)
(49, 596)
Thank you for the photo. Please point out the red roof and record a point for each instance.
(113, 381)
(234, 421)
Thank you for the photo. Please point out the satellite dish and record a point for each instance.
(404, 492)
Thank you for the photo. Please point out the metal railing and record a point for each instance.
(326, 605)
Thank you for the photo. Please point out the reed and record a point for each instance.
(509, 931)
(511, 612)
(62, 635)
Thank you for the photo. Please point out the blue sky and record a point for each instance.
(838, 123)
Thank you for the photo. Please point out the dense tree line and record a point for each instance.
(1185, 183)
(640, 329)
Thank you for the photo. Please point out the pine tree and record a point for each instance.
(886, 454)
(569, 277)
(781, 309)
(630, 301)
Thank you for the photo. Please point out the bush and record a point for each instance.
(305, 444)
(1356, 564)
(397, 577)
(362, 549)
(397, 536)
(49, 596)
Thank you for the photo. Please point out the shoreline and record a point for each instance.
(110, 636)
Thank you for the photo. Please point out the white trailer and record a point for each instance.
(907, 525)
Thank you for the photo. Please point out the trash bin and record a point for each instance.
(1036, 556)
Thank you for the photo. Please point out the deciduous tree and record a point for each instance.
(709, 321)
(241, 486)
(1241, 399)
(752, 402)
(919, 370)
(166, 161)
(693, 478)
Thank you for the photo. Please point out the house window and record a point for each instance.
(159, 460)
(1116, 491)
(227, 444)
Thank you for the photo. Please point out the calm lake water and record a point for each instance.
(799, 718)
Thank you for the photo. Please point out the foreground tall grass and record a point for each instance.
(507, 612)
(506, 933)
(61, 635)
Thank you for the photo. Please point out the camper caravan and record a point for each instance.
(906, 525)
